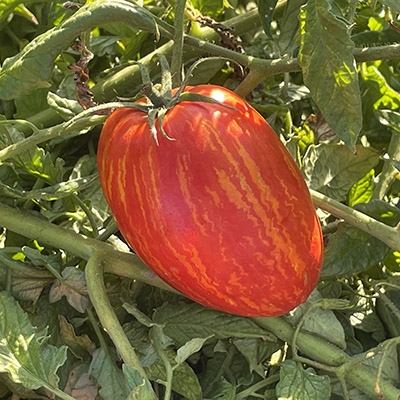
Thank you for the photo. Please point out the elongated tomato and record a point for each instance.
(221, 212)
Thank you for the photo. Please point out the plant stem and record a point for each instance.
(389, 171)
(94, 273)
(177, 52)
(326, 353)
(387, 234)
(127, 265)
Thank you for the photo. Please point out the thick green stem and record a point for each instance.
(127, 265)
(389, 171)
(176, 64)
(327, 354)
(385, 233)
(97, 292)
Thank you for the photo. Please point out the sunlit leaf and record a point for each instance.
(362, 190)
(23, 349)
(32, 68)
(289, 26)
(329, 69)
(333, 169)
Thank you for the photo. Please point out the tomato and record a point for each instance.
(218, 208)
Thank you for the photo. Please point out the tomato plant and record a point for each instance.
(216, 206)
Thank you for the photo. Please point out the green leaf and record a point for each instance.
(385, 97)
(23, 349)
(9, 6)
(110, 379)
(351, 250)
(255, 350)
(141, 390)
(332, 169)
(184, 380)
(37, 162)
(322, 322)
(299, 384)
(389, 118)
(32, 68)
(265, 10)
(183, 322)
(329, 68)
(289, 26)
(361, 191)
(393, 4)
(189, 348)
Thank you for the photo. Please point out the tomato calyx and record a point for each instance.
(160, 98)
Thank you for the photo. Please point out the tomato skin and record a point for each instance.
(221, 212)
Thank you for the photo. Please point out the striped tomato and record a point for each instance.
(218, 209)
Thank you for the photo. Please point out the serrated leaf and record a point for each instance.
(32, 68)
(23, 349)
(329, 68)
(351, 250)
(265, 10)
(185, 321)
(361, 191)
(332, 168)
(299, 384)
(39, 163)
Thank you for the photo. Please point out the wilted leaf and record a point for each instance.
(23, 350)
(297, 383)
(79, 345)
(73, 287)
(80, 385)
(329, 68)
(332, 169)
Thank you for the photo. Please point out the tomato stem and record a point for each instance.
(97, 292)
(387, 234)
(177, 51)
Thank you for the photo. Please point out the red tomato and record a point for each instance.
(221, 212)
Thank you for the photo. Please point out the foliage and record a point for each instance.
(325, 74)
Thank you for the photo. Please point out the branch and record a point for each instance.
(387, 234)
